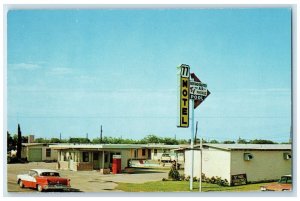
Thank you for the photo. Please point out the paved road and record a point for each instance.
(84, 181)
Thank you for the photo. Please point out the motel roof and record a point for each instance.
(231, 147)
(112, 146)
(37, 144)
(249, 146)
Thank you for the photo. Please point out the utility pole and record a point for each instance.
(19, 143)
(200, 149)
(200, 167)
(101, 134)
(291, 134)
(196, 132)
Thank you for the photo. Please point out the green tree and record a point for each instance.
(96, 140)
(15, 139)
(260, 141)
(228, 142)
(214, 141)
(79, 140)
(151, 139)
(10, 140)
(41, 140)
(242, 141)
(182, 141)
(19, 142)
(24, 139)
(169, 141)
(55, 140)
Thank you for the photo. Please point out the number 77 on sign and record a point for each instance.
(183, 75)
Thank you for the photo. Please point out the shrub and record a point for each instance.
(215, 180)
(224, 182)
(218, 180)
(182, 177)
(174, 174)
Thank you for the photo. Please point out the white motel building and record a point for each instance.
(258, 162)
(77, 157)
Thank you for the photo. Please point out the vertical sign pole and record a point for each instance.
(200, 179)
(192, 145)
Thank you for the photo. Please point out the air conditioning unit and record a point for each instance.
(287, 156)
(248, 156)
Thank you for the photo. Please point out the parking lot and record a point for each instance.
(84, 181)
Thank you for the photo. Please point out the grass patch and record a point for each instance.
(183, 186)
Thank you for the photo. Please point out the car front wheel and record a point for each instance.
(39, 188)
(21, 184)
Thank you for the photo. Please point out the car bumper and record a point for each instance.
(262, 188)
(56, 187)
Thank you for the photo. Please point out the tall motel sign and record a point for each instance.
(191, 93)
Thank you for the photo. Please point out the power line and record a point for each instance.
(147, 117)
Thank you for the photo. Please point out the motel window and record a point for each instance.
(135, 153)
(111, 157)
(106, 158)
(85, 157)
(155, 152)
(48, 152)
(143, 152)
(95, 156)
(64, 156)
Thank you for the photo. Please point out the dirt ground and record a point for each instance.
(84, 181)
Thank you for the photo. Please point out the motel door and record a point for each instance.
(71, 162)
(149, 153)
(96, 161)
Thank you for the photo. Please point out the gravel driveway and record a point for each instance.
(84, 181)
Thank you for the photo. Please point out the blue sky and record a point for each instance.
(70, 71)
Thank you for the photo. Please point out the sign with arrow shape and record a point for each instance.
(198, 99)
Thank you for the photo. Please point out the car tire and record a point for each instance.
(21, 184)
(285, 190)
(39, 188)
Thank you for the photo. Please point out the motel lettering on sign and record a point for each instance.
(184, 91)
(184, 102)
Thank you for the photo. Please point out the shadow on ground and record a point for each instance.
(146, 171)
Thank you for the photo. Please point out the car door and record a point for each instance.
(31, 179)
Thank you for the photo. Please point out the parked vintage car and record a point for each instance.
(43, 179)
(284, 184)
(165, 158)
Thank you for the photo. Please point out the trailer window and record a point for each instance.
(48, 152)
(85, 157)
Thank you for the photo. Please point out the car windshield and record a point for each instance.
(52, 174)
(285, 180)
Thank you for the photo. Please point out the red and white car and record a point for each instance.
(284, 184)
(43, 179)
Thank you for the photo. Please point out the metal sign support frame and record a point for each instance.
(192, 145)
